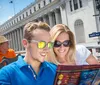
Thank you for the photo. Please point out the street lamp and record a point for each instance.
(98, 8)
(97, 5)
(12, 2)
(97, 16)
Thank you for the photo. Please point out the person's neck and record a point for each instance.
(63, 61)
(35, 64)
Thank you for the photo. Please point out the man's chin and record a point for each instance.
(42, 60)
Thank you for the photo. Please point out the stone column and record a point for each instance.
(13, 43)
(64, 14)
(50, 19)
(16, 40)
(78, 3)
(40, 19)
(22, 37)
(20, 40)
(35, 20)
(46, 19)
(72, 4)
(11, 40)
(18, 36)
(58, 16)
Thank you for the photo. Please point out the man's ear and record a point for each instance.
(24, 42)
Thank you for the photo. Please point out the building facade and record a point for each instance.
(78, 15)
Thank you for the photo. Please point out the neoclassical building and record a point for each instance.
(81, 16)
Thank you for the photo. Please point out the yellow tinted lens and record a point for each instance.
(50, 45)
(41, 44)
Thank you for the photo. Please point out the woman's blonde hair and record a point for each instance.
(54, 32)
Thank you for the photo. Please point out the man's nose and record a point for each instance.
(46, 49)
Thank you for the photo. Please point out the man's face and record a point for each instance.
(4, 47)
(36, 53)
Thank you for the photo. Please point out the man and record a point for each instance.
(5, 51)
(31, 69)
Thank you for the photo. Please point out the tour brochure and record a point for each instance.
(77, 75)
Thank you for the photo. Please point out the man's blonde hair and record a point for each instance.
(31, 26)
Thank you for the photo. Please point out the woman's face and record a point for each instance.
(62, 49)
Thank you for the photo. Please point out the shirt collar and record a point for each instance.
(21, 63)
(44, 64)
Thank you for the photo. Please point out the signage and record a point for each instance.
(94, 34)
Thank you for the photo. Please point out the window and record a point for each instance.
(75, 4)
(70, 3)
(30, 11)
(20, 17)
(44, 3)
(26, 13)
(80, 2)
(17, 19)
(10, 23)
(97, 2)
(50, 1)
(14, 21)
(34, 9)
(23, 16)
(39, 6)
(98, 50)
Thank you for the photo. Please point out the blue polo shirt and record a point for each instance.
(20, 73)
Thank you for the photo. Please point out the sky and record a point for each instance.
(7, 8)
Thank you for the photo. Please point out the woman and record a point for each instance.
(65, 50)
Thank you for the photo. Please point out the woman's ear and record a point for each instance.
(24, 42)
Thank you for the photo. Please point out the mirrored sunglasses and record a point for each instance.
(66, 43)
(43, 44)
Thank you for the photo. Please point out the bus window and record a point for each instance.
(98, 50)
(90, 50)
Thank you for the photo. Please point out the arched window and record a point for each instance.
(79, 31)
